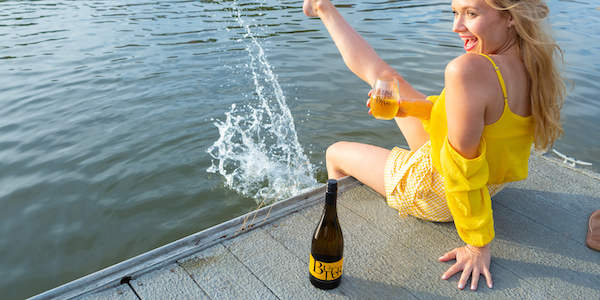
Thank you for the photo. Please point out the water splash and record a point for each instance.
(258, 152)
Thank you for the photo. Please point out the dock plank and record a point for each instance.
(358, 282)
(222, 276)
(540, 207)
(572, 189)
(171, 282)
(295, 233)
(547, 259)
(273, 264)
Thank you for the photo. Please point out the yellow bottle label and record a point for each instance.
(326, 271)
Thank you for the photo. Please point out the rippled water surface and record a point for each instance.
(125, 125)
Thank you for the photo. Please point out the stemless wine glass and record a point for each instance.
(384, 98)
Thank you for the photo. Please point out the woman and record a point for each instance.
(502, 95)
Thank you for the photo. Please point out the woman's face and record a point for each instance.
(482, 28)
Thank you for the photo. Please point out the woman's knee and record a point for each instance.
(335, 150)
(334, 160)
(362, 161)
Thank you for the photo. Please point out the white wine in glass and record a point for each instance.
(384, 98)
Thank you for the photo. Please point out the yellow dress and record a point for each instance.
(436, 183)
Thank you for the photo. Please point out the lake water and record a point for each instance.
(125, 125)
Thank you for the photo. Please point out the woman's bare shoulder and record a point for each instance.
(469, 66)
(473, 73)
(471, 84)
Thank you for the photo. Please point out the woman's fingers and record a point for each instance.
(474, 279)
(452, 270)
(369, 100)
(466, 273)
(488, 277)
(455, 267)
(449, 255)
(473, 262)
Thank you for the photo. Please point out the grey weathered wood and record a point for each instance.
(171, 282)
(274, 265)
(539, 206)
(359, 282)
(546, 258)
(223, 276)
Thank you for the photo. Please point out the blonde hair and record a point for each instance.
(539, 51)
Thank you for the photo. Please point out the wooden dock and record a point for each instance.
(539, 251)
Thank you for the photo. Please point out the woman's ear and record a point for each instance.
(511, 20)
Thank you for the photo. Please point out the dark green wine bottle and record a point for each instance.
(327, 248)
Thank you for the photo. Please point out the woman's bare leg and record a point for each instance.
(363, 61)
(413, 132)
(364, 162)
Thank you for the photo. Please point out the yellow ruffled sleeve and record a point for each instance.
(467, 194)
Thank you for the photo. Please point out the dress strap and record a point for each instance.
(499, 75)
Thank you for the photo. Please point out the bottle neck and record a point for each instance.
(330, 199)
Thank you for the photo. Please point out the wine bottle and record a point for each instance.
(327, 248)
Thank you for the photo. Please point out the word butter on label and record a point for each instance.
(326, 271)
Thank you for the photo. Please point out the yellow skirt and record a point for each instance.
(414, 187)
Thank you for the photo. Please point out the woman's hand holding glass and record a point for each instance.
(384, 98)
(385, 102)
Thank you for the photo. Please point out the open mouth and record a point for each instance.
(470, 42)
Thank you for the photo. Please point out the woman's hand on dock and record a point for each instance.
(472, 261)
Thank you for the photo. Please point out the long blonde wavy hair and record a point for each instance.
(539, 52)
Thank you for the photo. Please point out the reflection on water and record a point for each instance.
(113, 111)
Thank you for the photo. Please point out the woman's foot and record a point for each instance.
(310, 7)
